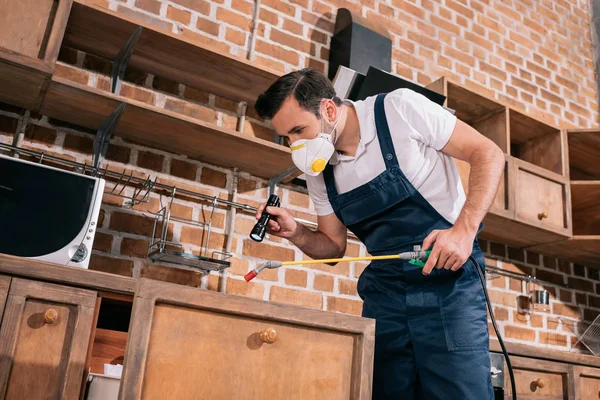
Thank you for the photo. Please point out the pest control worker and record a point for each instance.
(383, 169)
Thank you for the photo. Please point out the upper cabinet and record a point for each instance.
(31, 32)
(532, 204)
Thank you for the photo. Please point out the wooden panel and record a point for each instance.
(39, 359)
(470, 106)
(4, 287)
(536, 195)
(303, 363)
(73, 276)
(579, 249)
(108, 348)
(542, 353)
(495, 127)
(585, 197)
(584, 157)
(537, 379)
(545, 152)
(524, 128)
(22, 87)
(166, 130)
(159, 309)
(25, 25)
(103, 33)
(501, 204)
(439, 86)
(586, 383)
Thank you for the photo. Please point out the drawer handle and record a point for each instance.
(539, 383)
(268, 335)
(50, 316)
(542, 215)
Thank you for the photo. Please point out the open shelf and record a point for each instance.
(103, 33)
(148, 125)
(536, 142)
(584, 154)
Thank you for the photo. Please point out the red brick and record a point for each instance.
(515, 332)
(247, 186)
(247, 289)
(238, 266)
(72, 73)
(347, 286)
(500, 314)
(229, 17)
(581, 284)
(196, 95)
(316, 36)
(566, 311)
(242, 6)
(179, 15)
(190, 109)
(295, 277)
(165, 85)
(487, 68)
(195, 5)
(40, 134)
(183, 169)
(554, 339)
(134, 247)
(316, 21)
(408, 59)
(101, 217)
(409, 8)
(298, 199)
(149, 160)
(552, 97)
(267, 251)
(111, 265)
(8, 125)
(293, 27)
(266, 63)
(443, 24)
(135, 224)
(258, 131)
(290, 57)
(137, 93)
(171, 274)
(118, 153)
(209, 26)
(296, 297)
(213, 177)
(280, 6)
(152, 6)
(81, 144)
(323, 283)
(290, 41)
(67, 55)
(103, 242)
(346, 306)
(235, 36)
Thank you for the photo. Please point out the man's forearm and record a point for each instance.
(486, 171)
(316, 244)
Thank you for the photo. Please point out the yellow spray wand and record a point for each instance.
(413, 257)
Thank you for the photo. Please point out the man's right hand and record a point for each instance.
(282, 223)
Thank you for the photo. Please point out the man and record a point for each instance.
(383, 168)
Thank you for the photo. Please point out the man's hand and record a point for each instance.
(451, 248)
(282, 223)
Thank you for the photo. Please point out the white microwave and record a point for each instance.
(47, 213)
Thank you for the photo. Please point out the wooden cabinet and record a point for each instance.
(586, 383)
(539, 379)
(44, 340)
(31, 32)
(4, 286)
(193, 344)
(532, 204)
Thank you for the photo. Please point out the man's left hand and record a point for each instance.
(451, 249)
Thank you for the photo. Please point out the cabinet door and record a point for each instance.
(44, 340)
(587, 383)
(4, 286)
(538, 379)
(189, 343)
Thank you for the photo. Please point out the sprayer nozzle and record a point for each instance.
(250, 275)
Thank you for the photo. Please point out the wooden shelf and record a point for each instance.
(103, 33)
(584, 153)
(148, 125)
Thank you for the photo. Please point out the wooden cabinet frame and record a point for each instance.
(150, 292)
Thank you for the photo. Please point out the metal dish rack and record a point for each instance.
(161, 249)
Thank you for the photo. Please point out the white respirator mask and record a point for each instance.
(312, 155)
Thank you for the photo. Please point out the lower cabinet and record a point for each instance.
(44, 339)
(587, 383)
(188, 343)
(539, 379)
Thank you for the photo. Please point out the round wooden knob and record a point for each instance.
(50, 316)
(542, 215)
(268, 335)
(540, 383)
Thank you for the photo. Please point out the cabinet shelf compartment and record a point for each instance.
(536, 142)
(584, 154)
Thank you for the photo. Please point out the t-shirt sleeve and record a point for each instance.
(431, 123)
(318, 194)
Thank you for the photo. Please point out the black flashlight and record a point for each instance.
(259, 230)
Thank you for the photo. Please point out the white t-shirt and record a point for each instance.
(420, 128)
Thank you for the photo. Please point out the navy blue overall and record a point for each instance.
(431, 335)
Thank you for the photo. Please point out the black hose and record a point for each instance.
(489, 305)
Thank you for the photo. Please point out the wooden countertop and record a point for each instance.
(73, 276)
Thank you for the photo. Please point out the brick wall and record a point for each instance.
(501, 47)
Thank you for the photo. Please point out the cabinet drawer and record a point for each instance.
(539, 379)
(541, 197)
(587, 383)
(191, 343)
(43, 340)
